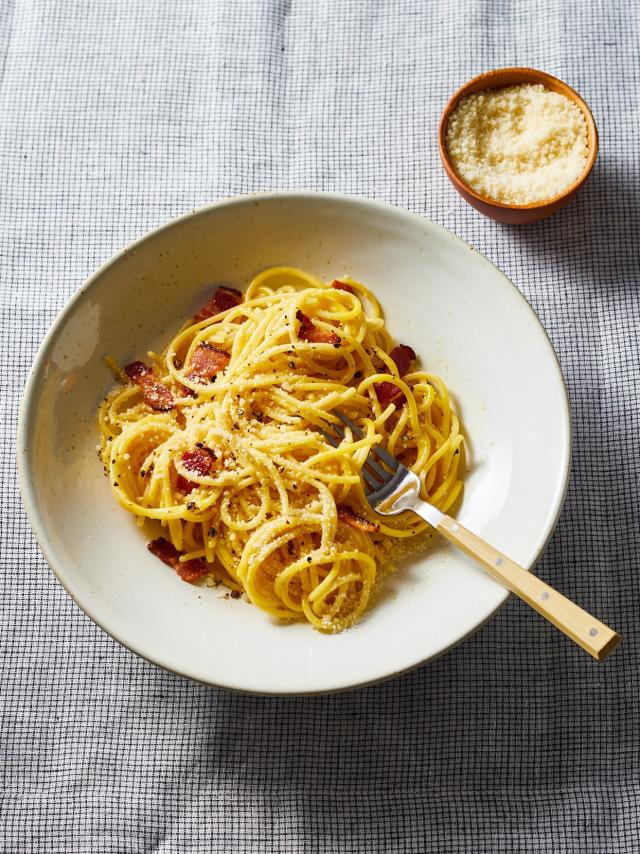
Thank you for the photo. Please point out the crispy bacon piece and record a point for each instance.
(186, 392)
(220, 300)
(403, 356)
(136, 370)
(154, 393)
(341, 286)
(348, 515)
(206, 361)
(184, 485)
(189, 570)
(308, 331)
(387, 393)
(199, 461)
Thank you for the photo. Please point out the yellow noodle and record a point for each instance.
(265, 519)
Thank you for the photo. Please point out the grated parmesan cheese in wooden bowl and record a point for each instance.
(518, 144)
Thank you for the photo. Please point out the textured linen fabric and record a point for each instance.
(116, 116)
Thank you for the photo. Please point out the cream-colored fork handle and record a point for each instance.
(592, 635)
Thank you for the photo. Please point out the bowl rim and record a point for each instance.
(30, 391)
(493, 81)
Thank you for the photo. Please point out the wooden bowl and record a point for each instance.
(516, 214)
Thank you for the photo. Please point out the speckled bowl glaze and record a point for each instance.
(464, 318)
(516, 214)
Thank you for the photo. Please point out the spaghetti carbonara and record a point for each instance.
(218, 439)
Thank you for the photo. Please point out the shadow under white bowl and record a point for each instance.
(468, 323)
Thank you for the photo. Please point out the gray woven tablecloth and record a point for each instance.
(115, 116)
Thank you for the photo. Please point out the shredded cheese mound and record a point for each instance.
(519, 144)
(239, 471)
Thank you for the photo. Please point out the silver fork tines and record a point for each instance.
(376, 449)
(388, 492)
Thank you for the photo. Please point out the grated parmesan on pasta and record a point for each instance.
(226, 447)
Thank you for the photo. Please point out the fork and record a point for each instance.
(392, 488)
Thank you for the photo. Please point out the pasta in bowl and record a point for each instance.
(221, 441)
(466, 322)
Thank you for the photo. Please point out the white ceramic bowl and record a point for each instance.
(465, 319)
